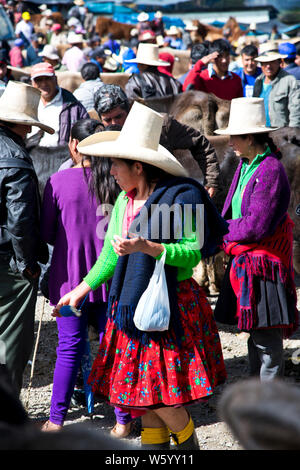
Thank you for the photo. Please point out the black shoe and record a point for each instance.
(163, 446)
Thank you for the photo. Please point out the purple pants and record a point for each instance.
(71, 341)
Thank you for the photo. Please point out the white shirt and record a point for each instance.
(74, 59)
(49, 114)
(25, 28)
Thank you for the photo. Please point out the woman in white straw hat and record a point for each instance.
(150, 83)
(21, 247)
(153, 374)
(258, 292)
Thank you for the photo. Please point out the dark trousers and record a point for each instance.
(265, 349)
(17, 309)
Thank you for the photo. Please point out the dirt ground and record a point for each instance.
(213, 434)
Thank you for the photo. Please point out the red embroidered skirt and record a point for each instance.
(130, 374)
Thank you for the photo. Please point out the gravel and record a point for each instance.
(213, 434)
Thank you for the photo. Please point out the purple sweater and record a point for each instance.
(265, 202)
(69, 222)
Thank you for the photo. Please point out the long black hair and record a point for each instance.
(100, 182)
(265, 140)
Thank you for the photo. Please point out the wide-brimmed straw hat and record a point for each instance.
(148, 54)
(74, 38)
(270, 57)
(50, 52)
(138, 140)
(269, 52)
(247, 116)
(19, 104)
(143, 16)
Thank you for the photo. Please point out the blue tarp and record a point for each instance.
(107, 8)
(132, 19)
(6, 28)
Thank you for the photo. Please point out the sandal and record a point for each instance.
(49, 427)
(121, 430)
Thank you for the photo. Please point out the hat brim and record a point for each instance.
(250, 130)
(51, 57)
(14, 118)
(266, 58)
(148, 62)
(105, 144)
(45, 74)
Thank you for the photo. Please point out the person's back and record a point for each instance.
(151, 84)
(73, 233)
(85, 92)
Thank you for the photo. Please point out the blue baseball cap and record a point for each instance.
(19, 42)
(287, 49)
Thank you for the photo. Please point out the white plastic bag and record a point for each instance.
(153, 309)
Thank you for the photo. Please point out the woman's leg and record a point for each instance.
(267, 345)
(159, 424)
(181, 427)
(155, 433)
(122, 427)
(71, 342)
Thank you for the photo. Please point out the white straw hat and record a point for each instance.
(74, 38)
(138, 140)
(247, 116)
(50, 52)
(148, 54)
(19, 105)
(143, 16)
(269, 57)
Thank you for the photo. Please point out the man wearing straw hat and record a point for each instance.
(21, 247)
(150, 83)
(280, 91)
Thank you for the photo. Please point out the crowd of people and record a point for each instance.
(83, 230)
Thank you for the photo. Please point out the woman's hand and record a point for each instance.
(126, 246)
(72, 298)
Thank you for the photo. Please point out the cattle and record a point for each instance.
(104, 26)
(71, 80)
(262, 415)
(202, 111)
(56, 17)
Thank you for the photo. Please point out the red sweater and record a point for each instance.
(226, 88)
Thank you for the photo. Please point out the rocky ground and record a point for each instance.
(213, 434)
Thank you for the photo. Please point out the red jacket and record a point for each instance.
(227, 88)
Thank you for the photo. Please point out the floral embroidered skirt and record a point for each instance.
(130, 374)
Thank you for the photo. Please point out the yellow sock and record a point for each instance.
(155, 435)
(182, 436)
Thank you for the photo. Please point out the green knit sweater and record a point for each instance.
(183, 254)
